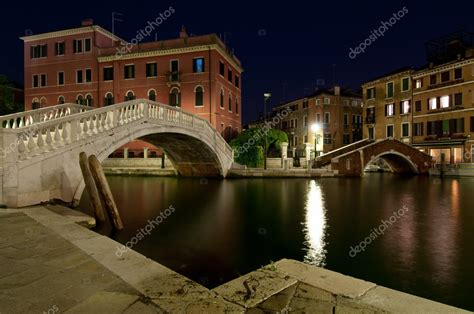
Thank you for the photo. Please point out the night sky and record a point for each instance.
(287, 49)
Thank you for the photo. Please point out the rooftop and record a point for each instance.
(344, 92)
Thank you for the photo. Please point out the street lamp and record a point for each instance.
(266, 96)
(315, 128)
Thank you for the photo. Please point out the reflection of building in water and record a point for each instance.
(315, 226)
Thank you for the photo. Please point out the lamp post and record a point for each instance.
(266, 96)
(316, 127)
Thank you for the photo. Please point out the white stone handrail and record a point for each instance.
(51, 134)
(27, 118)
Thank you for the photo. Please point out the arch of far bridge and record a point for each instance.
(397, 162)
(401, 157)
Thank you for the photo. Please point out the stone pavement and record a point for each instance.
(43, 272)
(50, 264)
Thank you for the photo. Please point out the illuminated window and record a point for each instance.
(405, 107)
(389, 110)
(198, 65)
(444, 101)
(419, 83)
(433, 103)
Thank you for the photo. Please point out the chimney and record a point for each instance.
(183, 33)
(87, 22)
(337, 90)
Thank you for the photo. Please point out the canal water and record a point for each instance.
(418, 232)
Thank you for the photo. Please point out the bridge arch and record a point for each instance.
(46, 164)
(401, 157)
(398, 163)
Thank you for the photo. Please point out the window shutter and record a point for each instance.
(401, 107)
(385, 110)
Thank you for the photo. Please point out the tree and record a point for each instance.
(249, 145)
(7, 97)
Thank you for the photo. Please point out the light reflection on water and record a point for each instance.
(314, 226)
(226, 228)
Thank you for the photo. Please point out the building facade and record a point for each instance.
(432, 108)
(387, 106)
(443, 117)
(89, 65)
(325, 120)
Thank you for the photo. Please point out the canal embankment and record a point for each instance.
(50, 261)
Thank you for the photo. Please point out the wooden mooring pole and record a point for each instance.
(91, 188)
(105, 192)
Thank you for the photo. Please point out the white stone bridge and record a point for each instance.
(39, 149)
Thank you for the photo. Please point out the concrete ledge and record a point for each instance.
(324, 279)
(279, 173)
(139, 171)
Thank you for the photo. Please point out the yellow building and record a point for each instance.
(387, 106)
(443, 117)
(432, 108)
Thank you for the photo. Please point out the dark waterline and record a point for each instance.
(221, 229)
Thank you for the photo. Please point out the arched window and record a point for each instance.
(230, 103)
(236, 106)
(89, 100)
(222, 98)
(152, 94)
(199, 96)
(175, 97)
(129, 96)
(43, 102)
(80, 100)
(35, 103)
(109, 99)
(61, 100)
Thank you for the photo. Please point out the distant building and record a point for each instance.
(11, 96)
(432, 107)
(328, 118)
(91, 66)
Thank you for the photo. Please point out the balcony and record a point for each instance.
(444, 84)
(370, 120)
(173, 78)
